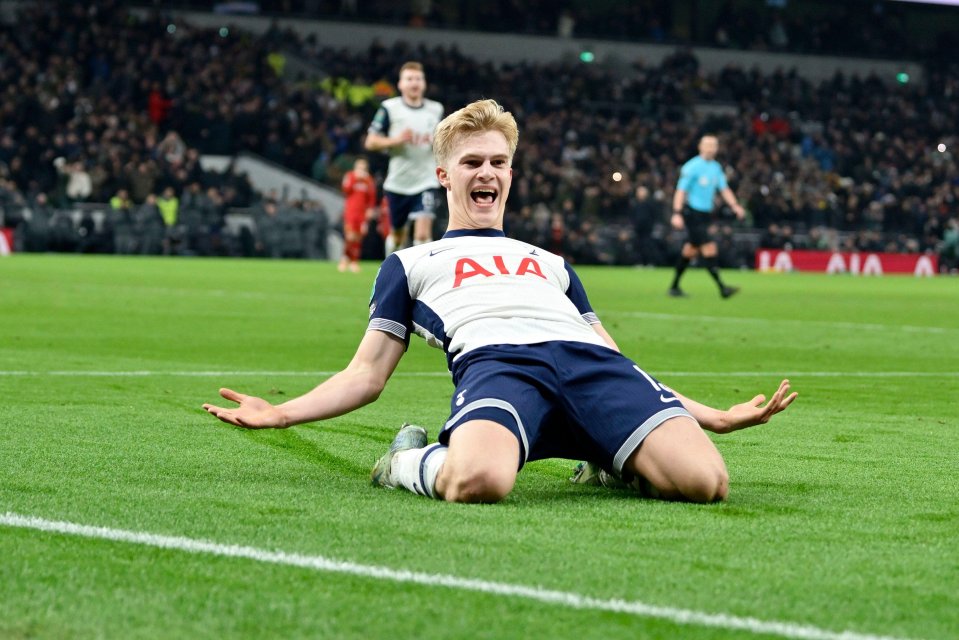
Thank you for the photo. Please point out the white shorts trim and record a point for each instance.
(497, 404)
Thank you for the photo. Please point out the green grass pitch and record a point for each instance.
(843, 513)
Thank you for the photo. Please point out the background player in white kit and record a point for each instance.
(404, 126)
(536, 374)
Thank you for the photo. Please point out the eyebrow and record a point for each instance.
(479, 156)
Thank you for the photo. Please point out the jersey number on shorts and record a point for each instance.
(658, 387)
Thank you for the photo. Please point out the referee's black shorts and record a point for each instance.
(697, 226)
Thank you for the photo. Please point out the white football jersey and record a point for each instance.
(412, 168)
(474, 288)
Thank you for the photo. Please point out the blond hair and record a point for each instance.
(476, 117)
(412, 65)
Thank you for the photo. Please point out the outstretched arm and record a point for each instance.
(357, 385)
(739, 416)
(598, 328)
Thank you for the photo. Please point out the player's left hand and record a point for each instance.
(748, 414)
(253, 412)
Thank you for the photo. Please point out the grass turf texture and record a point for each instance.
(842, 513)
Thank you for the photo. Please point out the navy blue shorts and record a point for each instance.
(404, 208)
(561, 400)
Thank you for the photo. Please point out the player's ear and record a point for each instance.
(443, 177)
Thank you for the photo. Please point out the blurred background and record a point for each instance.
(224, 129)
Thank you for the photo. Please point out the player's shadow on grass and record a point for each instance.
(304, 448)
(567, 492)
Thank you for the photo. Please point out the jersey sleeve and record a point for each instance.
(381, 122)
(391, 307)
(347, 185)
(577, 294)
(686, 177)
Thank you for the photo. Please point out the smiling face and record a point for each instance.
(477, 177)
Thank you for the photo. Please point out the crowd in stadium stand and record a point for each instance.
(810, 26)
(117, 110)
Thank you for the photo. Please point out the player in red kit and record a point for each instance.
(360, 192)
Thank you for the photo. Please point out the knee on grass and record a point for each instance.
(706, 484)
(477, 485)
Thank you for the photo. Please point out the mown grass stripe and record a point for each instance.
(855, 326)
(546, 596)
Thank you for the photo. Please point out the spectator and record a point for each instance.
(949, 251)
(645, 214)
(78, 186)
(158, 105)
(169, 206)
(269, 231)
(142, 178)
(121, 201)
(149, 227)
(824, 150)
(121, 223)
(35, 229)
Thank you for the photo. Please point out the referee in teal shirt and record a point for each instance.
(699, 180)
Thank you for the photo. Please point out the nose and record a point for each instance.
(486, 170)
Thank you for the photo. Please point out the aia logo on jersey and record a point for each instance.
(468, 268)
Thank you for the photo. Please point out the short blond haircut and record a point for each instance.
(476, 117)
(412, 65)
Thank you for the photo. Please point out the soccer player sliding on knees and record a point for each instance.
(536, 375)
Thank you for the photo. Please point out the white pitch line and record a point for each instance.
(205, 374)
(856, 326)
(547, 596)
(180, 374)
(812, 374)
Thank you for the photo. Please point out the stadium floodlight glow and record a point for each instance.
(224, 32)
(617, 176)
(950, 3)
(587, 56)
(171, 28)
(941, 148)
(902, 77)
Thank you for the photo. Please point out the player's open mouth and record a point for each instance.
(483, 196)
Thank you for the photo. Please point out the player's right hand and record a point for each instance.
(406, 136)
(677, 221)
(253, 412)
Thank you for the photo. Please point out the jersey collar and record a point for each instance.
(481, 233)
